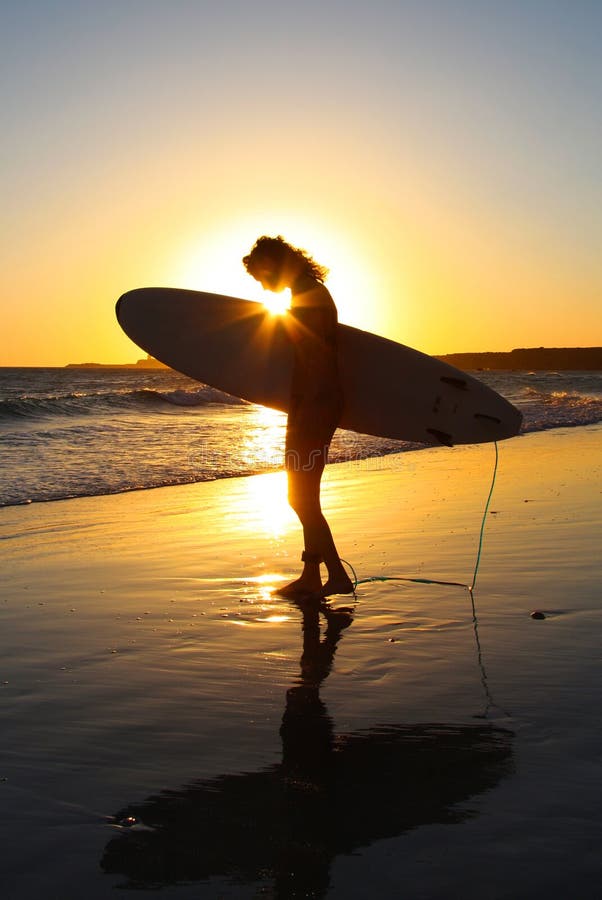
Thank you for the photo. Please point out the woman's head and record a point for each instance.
(277, 264)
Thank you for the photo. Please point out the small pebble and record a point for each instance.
(127, 821)
(537, 614)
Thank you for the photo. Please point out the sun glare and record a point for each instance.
(277, 304)
(213, 263)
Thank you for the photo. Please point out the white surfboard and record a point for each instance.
(390, 390)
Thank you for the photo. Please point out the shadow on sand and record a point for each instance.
(331, 794)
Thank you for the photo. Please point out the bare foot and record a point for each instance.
(301, 587)
(341, 584)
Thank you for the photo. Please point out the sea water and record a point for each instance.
(75, 432)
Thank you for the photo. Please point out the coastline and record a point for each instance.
(144, 651)
(518, 359)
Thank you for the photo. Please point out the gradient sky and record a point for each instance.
(442, 158)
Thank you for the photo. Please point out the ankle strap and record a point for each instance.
(311, 557)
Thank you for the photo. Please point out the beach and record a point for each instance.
(171, 724)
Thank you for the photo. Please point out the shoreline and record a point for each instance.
(367, 460)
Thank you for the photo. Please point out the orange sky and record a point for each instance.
(447, 175)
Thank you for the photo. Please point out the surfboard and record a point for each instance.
(241, 348)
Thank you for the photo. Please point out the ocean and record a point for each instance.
(77, 432)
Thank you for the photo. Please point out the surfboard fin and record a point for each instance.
(488, 418)
(441, 436)
(459, 383)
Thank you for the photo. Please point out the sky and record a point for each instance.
(441, 157)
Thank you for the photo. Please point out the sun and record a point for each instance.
(277, 304)
(212, 261)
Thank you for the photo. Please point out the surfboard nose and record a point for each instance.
(117, 305)
(133, 298)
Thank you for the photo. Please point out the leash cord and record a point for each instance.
(470, 587)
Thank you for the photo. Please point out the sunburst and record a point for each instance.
(277, 304)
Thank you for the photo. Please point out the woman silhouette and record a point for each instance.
(315, 405)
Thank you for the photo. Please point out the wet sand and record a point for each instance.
(168, 723)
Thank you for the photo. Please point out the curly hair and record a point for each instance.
(279, 251)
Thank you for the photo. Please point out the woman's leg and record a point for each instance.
(304, 497)
(308, 435)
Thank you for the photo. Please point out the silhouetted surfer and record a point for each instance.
(315, 406)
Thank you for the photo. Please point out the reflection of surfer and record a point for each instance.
(308, 763)
(332, 794)
(315, 406)
(307, 729)
(279, 822)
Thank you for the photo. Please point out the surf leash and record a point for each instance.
(469, 587)
(489, 701)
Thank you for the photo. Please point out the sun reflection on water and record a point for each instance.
(264, 587)
(268, 506)
(263, 443)
(274, 619)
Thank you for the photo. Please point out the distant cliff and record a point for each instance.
(148, 363)
(530, 359)
(524, 359)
